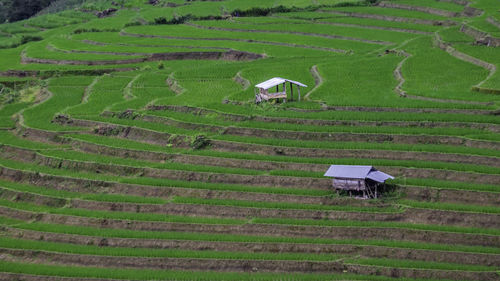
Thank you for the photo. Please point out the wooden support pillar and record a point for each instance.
(284, 90)
(298, 89)
(277, 88)
(291, 91)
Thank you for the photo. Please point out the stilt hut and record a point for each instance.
(262, 90)
(359, 181)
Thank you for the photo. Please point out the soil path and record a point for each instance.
(307, 135)
(409, 215)
(198, 111)
(318, 81)
(237, 40)
(245, 83)
(255, 247)
(230, 55)
(392, 18)
(377, 42)
(174, 85)
(428, 10)
(275, 230)
(90, 42)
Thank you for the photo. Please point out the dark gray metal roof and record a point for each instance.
(357, 172)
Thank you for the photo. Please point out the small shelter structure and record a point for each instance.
(362, 181)
(262, 89)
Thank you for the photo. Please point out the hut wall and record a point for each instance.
(349, 184)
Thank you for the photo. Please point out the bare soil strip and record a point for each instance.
(5, 276)
(176, 263)
(428, 10)
(47, 74)
(275, 230)
(173, 84)
(256, 247)
(458, 2)
(322, 122)
(146, 136)
(86, 185)
(378, 42)
(245, 83)
(314, 136)
(410, 215)
(230, 55)
(237, 40)
(152, 46)
(399, 75)
(376, 27)
(318, 81)
(481, 37)
(493, 21)
(392, 18)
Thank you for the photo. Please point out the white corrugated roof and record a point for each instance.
(277, 81)
(357, 172)
(379, 176)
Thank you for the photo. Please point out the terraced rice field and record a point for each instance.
(131, 147)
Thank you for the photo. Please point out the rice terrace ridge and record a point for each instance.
(250, 140)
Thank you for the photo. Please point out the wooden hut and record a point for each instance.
(262, 90)
(359, 181)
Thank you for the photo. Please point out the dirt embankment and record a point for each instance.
(467, 12)
(226, 265)
(85, 186)
(152, 137)
(236, 40)
(274, 230)
(5, 276)
(393, 18)
(322, 136)
(48, 73)
(329, 36)
(230, 55)
(394, 109)
(160, 138)
(428, 10)
(322, 122)
(410, 215)
(256, 247)
(257, 180)
(481, 37)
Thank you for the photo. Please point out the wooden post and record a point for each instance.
(291, 91)
(284, 90)
(277, 88)
(298, 89)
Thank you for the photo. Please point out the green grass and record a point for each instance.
(292, 42)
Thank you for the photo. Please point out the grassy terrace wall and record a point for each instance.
(131, 147)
